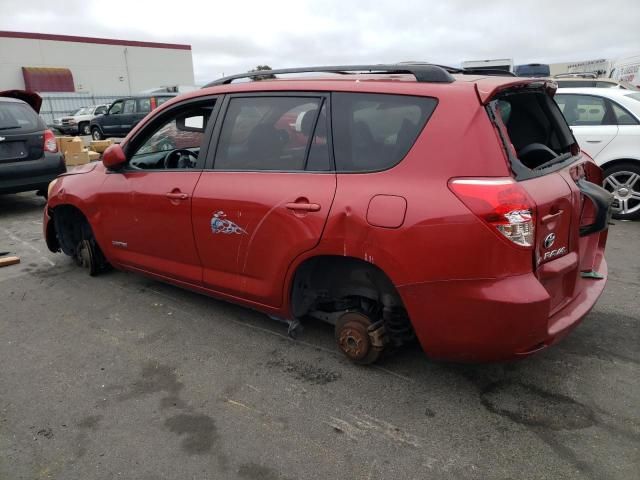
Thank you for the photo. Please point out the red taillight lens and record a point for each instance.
(50, 144)
(501, 203)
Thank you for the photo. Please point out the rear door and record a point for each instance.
(547, 164)
(591, 119)
(266, 192)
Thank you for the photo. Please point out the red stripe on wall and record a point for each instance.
(100, 41)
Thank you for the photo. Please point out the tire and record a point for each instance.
(96, 134)
(623, 181)
(84, 129)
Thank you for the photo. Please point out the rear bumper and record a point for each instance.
(26, 175)
(494, 320)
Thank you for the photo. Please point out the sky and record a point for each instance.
(234, 36)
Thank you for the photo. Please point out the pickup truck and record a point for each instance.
(79, 122)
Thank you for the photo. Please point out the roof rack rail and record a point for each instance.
(494, 72)
(422, 72)
(577, 75)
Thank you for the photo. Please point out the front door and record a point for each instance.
(147, 213)
(128, 116)
(110, 122)
(265, 195)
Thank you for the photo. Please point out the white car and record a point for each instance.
(79, 121)
(606, 124)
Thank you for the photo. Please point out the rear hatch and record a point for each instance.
(21, 132)
(571, 209)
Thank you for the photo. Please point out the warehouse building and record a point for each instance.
(87, 65)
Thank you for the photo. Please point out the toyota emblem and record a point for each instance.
(549, 239)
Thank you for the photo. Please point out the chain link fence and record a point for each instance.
(56, 105)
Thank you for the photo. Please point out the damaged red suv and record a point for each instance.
(392, 201)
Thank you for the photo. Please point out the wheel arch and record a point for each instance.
(618, 161)
(70, 225)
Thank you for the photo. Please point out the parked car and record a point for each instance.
(124, 114)
(79, 121)
(606, 123)
(406, 201)
(29, 157)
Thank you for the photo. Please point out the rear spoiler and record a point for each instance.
(33, 99)
(488, 88)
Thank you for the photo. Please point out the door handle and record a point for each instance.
(594, 141)
(176, 195)
(551, 216)
(303, 207)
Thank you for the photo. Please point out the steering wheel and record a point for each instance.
(180, 158)
(536, 153)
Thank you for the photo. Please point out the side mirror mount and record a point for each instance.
(113, 157)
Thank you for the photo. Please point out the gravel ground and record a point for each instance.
(120, 376)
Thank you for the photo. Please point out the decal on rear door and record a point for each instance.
(219, 224)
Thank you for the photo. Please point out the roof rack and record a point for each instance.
(422, 72)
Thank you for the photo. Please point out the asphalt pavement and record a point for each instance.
(120, 376)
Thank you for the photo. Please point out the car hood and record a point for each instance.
(86, 168)
(32, 98)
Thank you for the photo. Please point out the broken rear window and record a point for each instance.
(534, 132)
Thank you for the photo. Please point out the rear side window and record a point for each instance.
(129, 106)
(18, 117)
(374, 132)
(273, 133)
(622, 116)
(144, 105)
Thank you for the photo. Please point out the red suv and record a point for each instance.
(405, 201)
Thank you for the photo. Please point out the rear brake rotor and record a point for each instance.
(357, 340)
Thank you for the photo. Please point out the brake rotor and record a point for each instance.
(354, 338)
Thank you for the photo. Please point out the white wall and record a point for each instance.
(96, 68)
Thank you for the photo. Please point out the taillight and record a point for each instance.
(50, 144)
(502, 204)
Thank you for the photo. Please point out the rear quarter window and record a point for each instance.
(18, 117)
(373, 132)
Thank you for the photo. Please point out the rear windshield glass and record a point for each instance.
(374, 132)
(575, 83)
(18, 117)
(535, 134)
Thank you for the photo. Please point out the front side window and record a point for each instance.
(273, 133)
(374, 132)
(116, 108)
(100, 110)
(584, 110)
(175, 143)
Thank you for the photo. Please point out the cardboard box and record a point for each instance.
(73, 146)
(93, 156)
(100, 145)
(79, 158)
(63, 142)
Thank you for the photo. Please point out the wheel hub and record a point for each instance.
(354, 341)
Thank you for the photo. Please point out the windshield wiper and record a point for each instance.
(10, 127)
(553, 161)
